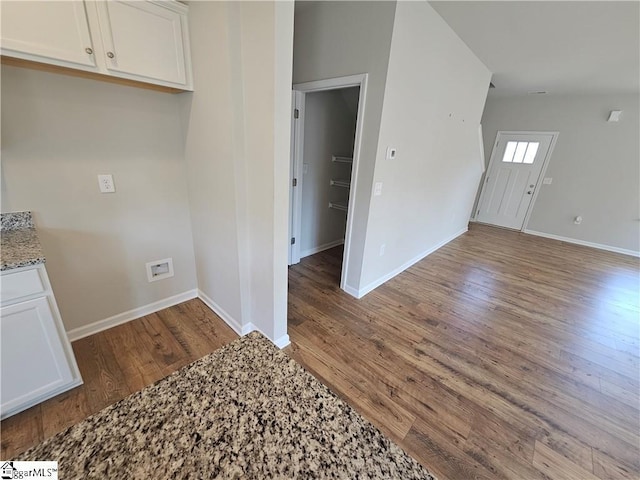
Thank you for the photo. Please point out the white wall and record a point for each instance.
(425, 96)
(237, 150)
(330, 125)
(335, 39)
(210, 127)
(434, 97)
(595, 165)
(58, 134)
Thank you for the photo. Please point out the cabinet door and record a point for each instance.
(144, 39)
(33, 361)
(55, 32)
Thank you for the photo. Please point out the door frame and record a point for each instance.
(300, 91)
(545, 164)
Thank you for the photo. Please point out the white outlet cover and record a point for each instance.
(159, 269)
(377, 190)
(547, 181)
(105, 183)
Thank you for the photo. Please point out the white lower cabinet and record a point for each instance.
(37, 361)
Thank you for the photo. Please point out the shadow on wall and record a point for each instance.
(79, 287)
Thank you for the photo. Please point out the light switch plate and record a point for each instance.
(377, 189)
(547, 181)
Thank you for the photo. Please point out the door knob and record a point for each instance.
(530, 192)
(110, 54)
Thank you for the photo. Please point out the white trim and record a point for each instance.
(297, 141)
(331, 83)
(281, 342)
(101, 325)
(241, 330)
(354, 292)
(124, 317)
(599, 246)
(483, 165)
(539, 184)
(235, 325)
(321, 248)
(385, 278)
(359, 80)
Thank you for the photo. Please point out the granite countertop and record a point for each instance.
(20, 246)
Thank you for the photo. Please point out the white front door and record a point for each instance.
(512, 178)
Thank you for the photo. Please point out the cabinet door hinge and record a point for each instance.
(295, 182)
(296, 113)
(293, 240)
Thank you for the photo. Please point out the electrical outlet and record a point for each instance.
(105, 182)
(159, 269)
(377, 189)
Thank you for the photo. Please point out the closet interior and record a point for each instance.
(329, 132)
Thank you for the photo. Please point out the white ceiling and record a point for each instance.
(558, 47)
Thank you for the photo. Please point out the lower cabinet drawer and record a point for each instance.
(20, 284)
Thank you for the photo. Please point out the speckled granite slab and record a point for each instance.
(16, 220)
(19, 246)
(246, 411)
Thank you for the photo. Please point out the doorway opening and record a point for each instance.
(516, 170)
(326, 131)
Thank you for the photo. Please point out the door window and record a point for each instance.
(520, 152)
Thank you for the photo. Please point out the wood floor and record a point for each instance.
(501, 355)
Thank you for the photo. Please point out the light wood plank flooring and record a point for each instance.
(501, 355)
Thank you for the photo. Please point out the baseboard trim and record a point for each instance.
(222, 313)
(599, 246)
(352, 291)
(321, 248)
(107, 323)
(124, 317)
(283, 341)
(385, 278)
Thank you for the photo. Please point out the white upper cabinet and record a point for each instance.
(145, 41)
(50, 32)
